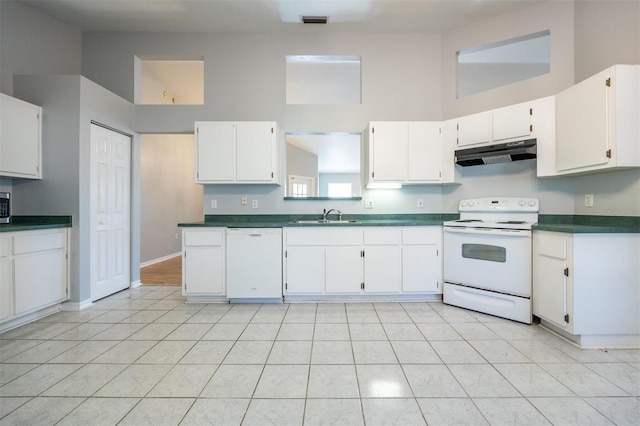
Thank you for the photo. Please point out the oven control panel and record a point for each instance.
(506, 204)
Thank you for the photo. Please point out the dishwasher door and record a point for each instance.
(254, 263)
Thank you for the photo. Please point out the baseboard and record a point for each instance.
(135, 284)
(160, 259)
(76, 306)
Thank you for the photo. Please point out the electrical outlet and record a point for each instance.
(244, 200)
(368, 203)
(420, 203)
(176, 236)
(254, 204)
(214, 204)
(588, 200)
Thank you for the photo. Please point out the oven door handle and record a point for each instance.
(488, 231)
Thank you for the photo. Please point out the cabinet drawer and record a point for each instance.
(5, 247)
(30, 243)
(430, 235)
(203, 238)
(552, 246)
(382, 236)
(328, 236)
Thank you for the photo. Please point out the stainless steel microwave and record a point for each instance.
(5, 207)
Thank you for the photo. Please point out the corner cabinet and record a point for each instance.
(237, 152)
(406, 152)
(586, 287)
(203, 264)
(355, 262)
(597, 122)
(20, 138)
(34, 274)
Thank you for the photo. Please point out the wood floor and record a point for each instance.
(168, 272)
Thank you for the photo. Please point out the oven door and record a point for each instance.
(492, 259)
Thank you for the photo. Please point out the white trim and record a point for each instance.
(77, 306)
(160, 259)
(135, 284)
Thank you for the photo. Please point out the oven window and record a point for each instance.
(484, 252)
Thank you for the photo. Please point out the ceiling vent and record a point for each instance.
(314, 19)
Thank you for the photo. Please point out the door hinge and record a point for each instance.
(440, 174)
(285, 253)
(286, 286)
(566, 272)
(272, 130)
(608, 153)
(361, 253)
(361, 286)
(608, 82)
(272, 174)
(531, 128)
(373, 130)
(566, 318)
(530, 111)
(373, 174)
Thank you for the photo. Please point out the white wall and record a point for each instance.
(168, 193)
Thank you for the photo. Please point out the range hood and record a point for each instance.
(500, 153)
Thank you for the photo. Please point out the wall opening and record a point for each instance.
(169, 81)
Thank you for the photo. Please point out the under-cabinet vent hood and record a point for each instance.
(493, 154)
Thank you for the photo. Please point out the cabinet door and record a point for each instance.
(474, 129)
(388, 151)
(511, 122)
(6, 289)
(581, 125)
(424, 151)
(421, 269)
(382, 269)
(20, 138)
(550, 284)
(304, 270)
(40, 279)
(203, 271)
(343, 269)
(215, 152)
(256, 152)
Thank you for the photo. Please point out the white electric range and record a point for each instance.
(487, 256)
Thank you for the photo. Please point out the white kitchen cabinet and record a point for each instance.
(406, 152)
(323, 262)
(34, 274)
(586, 287)
(474, 129)
(421, 260)
(382, 260)
(597, 122)
(203, 265)
(236, 152)
(20, 138)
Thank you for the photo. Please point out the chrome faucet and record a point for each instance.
(325, 213)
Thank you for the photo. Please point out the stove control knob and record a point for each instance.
(532, 203)
(463, 203)
(471, 203)
(522, 202)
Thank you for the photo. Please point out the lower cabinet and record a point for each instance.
(362, 261)
(586, 287)
(34, 271)
(203, 266)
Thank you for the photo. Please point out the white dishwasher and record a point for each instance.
(254, 264)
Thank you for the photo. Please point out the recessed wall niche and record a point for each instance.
(169, 81)
(323, 80)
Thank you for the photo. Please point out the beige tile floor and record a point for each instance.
(143, 356)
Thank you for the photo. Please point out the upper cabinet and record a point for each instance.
(405, 152)
(236, 152)
(20, 138)
(597, 122)
(510, 123)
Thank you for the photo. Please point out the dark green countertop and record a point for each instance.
(581, 224)
(29, 223)
(281, 221)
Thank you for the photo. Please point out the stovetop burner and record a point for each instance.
(512, 222)
(468, 220)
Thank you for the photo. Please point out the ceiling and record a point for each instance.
(273, 15)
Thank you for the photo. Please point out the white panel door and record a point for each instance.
(511, 122)
(110, 211)
(343, 269)
(255, 151)
(474, 129)
(304, 270)
(382, 269)
(204, 271)
(420, 268)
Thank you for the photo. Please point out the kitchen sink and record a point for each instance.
(324, 221)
